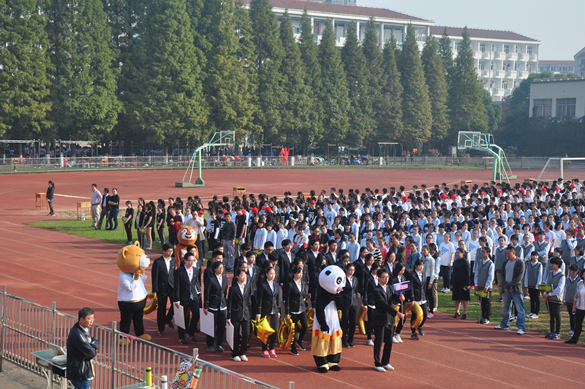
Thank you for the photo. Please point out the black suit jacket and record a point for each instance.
(361, 271)
(384, 313)
(267, 299)
(294, 300)
(163, 280)
(215, 295)
(352, 292)
(184, 289)
(238, 305)
(312, 267)
(400, 251)
(369, 286)
(285, 265)
(417, 290)
(261, 259)
(330, 259)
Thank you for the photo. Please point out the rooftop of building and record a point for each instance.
(344, 9)
(545, 80)
(545, 62)
(482, 34)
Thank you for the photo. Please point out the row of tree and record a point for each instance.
(168, 71)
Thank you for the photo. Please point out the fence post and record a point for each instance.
(3, 328)
(114, 351)
(291, 385)
(54, 322)
(195, 354)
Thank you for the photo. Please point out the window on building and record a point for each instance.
(505, 84)
(566, 107)
(297, 30)
(493, 47)
(571, 68)
(506, 48)
(529, 50)
(542, 108)
(481, 66)
(458, 46)
(515, 48)
(582, 61)
(482, 47)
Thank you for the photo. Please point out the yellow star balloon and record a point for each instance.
(261, 328)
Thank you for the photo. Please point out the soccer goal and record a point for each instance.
(556, 168)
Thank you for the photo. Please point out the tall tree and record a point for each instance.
(416, 107)
(494, 111)
(438, 93)
(271, 96)
(170, 106)
(310, 58)
(373, 56)
(83, 94)
(296, 112)
(360, 109)
(466, 103)
(390, 107)
(227, 86)
(334, 93)
(24, 67)
(446, 54)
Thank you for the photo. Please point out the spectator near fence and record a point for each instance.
(50, 195)
(81, 349)
(96, 201)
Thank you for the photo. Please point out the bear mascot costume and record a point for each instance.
(327, 334)
(131, 291)
(187, 236)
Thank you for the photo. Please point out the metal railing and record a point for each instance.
(27, 327)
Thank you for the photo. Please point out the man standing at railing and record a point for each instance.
(81, 349)
(96, 201)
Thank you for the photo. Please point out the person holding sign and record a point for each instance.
(484, 276)
(554, 299)
(398, 298)
(268, 298)
(216, 286)
(238, 314)
(186, 294)
(460, 283)
(418, 295)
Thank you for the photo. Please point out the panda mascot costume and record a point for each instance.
(326, 343)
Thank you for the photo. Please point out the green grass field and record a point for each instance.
(541, 325)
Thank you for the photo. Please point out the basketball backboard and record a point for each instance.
(468, 140)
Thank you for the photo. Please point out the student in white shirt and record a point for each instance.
(446, 252)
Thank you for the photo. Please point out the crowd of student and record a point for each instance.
(472, 237)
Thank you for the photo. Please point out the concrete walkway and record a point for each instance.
(15, 377)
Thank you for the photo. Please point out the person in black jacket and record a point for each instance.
(418, 288)
(81, 349)
(370, 281)
(349, 314)
(268, 298)
(295, 292)
(187, 293)
(50, 196)
(228, 240)
(383, 321)
(215, 294)
(238, 313)
(163, 281)
(285, 261)
(397, 277)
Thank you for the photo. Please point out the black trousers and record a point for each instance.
(191, 313)
(430, 295)
(173, 236)
(349, 318)
(128, 229)
(241, 340)
(103, 214)
(413, 317)
(219, 328)
(555, 317)
(400, 321)
(368, 323)
(271, 342)
(384, 336)
(534, 300)
(161, 313)
(161, 234)
(486, 306)
(299, 331)
(132, 313)
(579, 316)
(571, 316)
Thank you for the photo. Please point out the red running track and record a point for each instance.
(45, 266)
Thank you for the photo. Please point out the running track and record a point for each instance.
(44, 266)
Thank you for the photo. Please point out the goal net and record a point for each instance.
(565, 168)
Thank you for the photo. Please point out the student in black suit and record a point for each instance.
(262, 258)
(332, 254)
(313, 259)
(418, 288)
(285, 261)
(295, 293)
(216, 256)
(244, 248)
(268, 297)
(238, 313)
(371, 281)
(349, 314)
(187, 292)
(383, 321)
(215, 294)
(361, 268)
(163, 281)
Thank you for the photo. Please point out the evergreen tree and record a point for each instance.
(310, 58)
(201, 27)
(438, 93)
(83, 94)
(373, 53)
(446, 54)
(390, 108)
(227, 85)
(170, 106)
(416, 107)
(466, 103)
(271, 96)
(360, 110)
(493, 111)
(24, 82)
(333, 93)
(296, 112)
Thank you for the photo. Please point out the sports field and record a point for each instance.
(42, 265)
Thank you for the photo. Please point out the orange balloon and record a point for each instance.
(414, 150)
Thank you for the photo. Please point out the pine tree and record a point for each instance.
(334, 93)
(310, 58)
(170, 106)
(390, 126)
(416, 107)
(438, 93)
(227, 86)
(201, 25)
(24, 64)
(296, 112)
(466, 103)
(373, 55)
(360, 110)
(83, 93)
(271, 96)
(446, 54)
